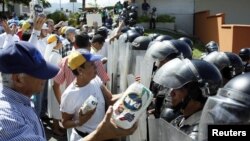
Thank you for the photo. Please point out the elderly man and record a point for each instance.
(24, 72)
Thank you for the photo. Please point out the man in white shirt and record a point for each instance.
(85, 84)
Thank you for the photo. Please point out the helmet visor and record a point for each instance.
(222, 110)
(174, 74)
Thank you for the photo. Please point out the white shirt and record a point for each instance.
(7, 39)
(73, 98)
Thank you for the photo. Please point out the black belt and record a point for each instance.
(80, 133)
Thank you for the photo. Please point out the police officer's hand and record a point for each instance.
(84, 117)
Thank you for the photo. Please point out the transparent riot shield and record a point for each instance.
(136, 66)
(146, 71)
(141, 132)
(112, 65)
(160, 130)
(123, 62)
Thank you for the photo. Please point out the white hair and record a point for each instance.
(6, 79)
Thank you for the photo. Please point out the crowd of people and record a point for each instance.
(50, 69)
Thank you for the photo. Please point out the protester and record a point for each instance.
(24, 72)
(68, 41)
(86, 83)
(53, 56)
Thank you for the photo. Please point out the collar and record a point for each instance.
(16, 96)
(93, 50)
(55, 50)
(191, 120)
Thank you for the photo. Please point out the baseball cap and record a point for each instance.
(23, 57)
(52, 38)
(26, 25)
(78, 57)
(63, 29)
(45, 26)
(70, 30)
(12, 22)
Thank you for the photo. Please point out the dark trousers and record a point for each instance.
(152, 23)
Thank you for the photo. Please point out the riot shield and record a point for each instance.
(136, 68)
(160, 130)
(123, 62)
(140, 133)
(112, 65)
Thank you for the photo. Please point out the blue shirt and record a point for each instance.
(18, 121)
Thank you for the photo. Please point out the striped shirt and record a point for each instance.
(67, 47)
(101, 71)
(18, 120)
(64, 74)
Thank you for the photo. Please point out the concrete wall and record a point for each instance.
(182, 9)
(237, 11)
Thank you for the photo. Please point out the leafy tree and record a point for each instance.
(57, 16)
(74, 19)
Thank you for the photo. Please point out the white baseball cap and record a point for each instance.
(45, 26)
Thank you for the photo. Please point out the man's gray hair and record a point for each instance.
(6, 79)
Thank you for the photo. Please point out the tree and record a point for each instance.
(46, 4)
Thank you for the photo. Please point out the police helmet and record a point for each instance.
(125, 29)
(188, 41)
(177, 73)
(238, 89)
(132, 15)
(131, 22)
(133, 8)
(245, 54)
(182, 47)
(131, 35)
(163, 37)
(153, 35)
(161, 51)
(212, 46)
(139, 29)
(141, 43)
(103, 31)
(230, 64)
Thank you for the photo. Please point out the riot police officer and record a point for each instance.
(210, 47)
(189, 83)
(229, 64)
(230, 106)
(161, 53)
(245, 56)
